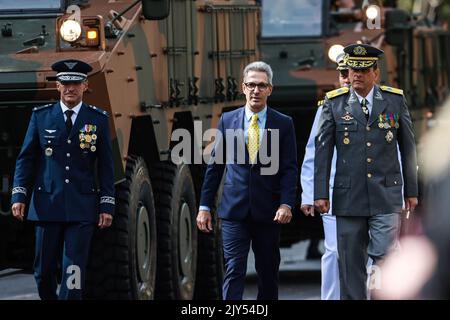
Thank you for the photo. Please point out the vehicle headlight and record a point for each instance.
(334, 51)
(372, 12)
(70, 30)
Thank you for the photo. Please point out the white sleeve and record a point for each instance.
(307, 171)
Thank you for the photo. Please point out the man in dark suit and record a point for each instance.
(365, 123)
(256, 200)
(66, 144)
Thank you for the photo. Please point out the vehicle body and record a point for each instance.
(296, 39)
(158, 66)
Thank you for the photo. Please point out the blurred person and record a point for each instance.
(329, 261)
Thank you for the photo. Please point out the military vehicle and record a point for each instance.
(159, 65)
(300, 39)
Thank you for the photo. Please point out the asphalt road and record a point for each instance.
(299, 278)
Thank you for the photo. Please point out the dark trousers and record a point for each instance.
(358, 238)
(66, 244)
(264, 238)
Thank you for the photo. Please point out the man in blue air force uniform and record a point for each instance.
(66, 149)
(365, 123)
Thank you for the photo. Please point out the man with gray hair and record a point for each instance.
(254, 203)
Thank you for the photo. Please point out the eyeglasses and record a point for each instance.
(261, 86)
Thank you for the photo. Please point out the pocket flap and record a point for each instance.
(87, 187)
(342, 182)
(44, 187)
(347, 126)
(394, 180)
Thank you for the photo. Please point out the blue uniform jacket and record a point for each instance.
(71, 177)
(246, 190)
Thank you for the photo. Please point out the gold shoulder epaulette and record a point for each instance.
(392, 90)
(335, 93)
(320, 103)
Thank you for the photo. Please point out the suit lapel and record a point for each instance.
(379, 104)
(354, 107)
(58, 120)
(267, 133)
(238, 124)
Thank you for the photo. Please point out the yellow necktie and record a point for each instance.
(253, 138)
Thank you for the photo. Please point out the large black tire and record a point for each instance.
(177, 231)
(122, 263)
(210, 268)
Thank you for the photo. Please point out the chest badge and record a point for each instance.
(48, 152)
(347, 117)
(389, 136)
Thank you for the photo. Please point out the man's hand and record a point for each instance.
(18, 210)
(204, 221)
(307, 209)
(105, 220)
(283, 215)
(410, 206)
(322, 205)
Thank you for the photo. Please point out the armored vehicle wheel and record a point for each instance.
(177, 231)
(210, 267)
(123, 258)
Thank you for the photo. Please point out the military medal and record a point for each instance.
(88, 138)
(389, 136)
(396, 125)
(381, 125)
(346, 140)
(386, 125)
(48, 152)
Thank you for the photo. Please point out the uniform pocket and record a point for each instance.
(346, 126)
(87, 187)
(393, 180)
(43, 187)
(341, 182)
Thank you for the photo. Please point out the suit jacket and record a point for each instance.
(61, 169)
(246, 190)
(368, 177)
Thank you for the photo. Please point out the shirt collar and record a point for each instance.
(369, 96)
(75, 109)
(249, 113)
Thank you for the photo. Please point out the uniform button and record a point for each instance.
(369, 160)
(369, 144)
(368, 128)
(395, 182)
(67, 168)
(69, 141)
(49, 141)
(67, 181)
(346, 128)
(39, 188)
(68, 155)
(369, 175)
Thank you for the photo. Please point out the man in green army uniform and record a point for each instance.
(365, 123)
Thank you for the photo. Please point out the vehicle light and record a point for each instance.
(334, 51)
(372, 12)
(92, 37)
(70, 30)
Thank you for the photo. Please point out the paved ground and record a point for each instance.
(299, 278)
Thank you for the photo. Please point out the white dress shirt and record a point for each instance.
(75, 110)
